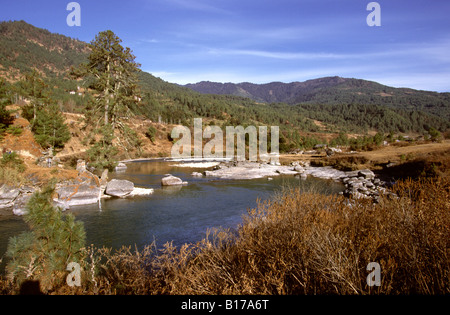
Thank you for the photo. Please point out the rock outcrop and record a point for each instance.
(359, 184)
(119, 188)
(8, 195)
(84, 190)
(364, 185)
(77, 195)
(170, 180)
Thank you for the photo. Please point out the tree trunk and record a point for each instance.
(107, 92)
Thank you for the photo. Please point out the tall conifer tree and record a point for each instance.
(111, 73)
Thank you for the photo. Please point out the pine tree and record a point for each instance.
(102, 154)
(33, 87)
(49, 127)
(54, 241)
(5, 115)
(112, 73)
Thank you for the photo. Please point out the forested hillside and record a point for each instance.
(25, 47)
(339, 104)
(335, 91)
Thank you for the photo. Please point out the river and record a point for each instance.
(180, 214)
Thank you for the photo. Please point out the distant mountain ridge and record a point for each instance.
(274, 92)
(333, 91)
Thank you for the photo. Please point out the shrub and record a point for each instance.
(12, 169)
(102, 154)
(12, 160)
(14, 130)
(151, 133)
(435, 135)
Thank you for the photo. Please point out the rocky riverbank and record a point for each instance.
(86, 189)
(359, 184)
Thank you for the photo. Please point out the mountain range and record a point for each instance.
(332, 90)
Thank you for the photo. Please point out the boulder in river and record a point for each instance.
(77, 195)
(121, 167)
(170, 180)
(119, 188)
(84, 190)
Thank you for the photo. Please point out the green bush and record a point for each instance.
(13, 161)
(151, 133)
(102, 154)
(14, 130)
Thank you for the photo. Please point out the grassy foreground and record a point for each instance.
(298, 243)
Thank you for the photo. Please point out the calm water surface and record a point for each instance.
(178, 214)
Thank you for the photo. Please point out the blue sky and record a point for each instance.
(187, 41)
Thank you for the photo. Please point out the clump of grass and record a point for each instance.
(12, 168)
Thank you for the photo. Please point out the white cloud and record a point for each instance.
(197, 5)
(282, 55)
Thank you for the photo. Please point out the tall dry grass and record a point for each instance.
(314, 244)
(298, 243)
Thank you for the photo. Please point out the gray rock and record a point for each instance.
(7, 196)
(77, 195)
(209, 173)
(352, 174)
(367, 174)
(119, 188)
(121, 167)
(20, 204)
(284, 171)
(299, 168)
(369, 184)
(172, 181)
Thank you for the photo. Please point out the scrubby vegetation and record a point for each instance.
(11, 169)
(298, 243)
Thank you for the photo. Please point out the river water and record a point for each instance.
(180, 214)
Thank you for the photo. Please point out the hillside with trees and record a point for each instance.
(334, 91)
(51, 74)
